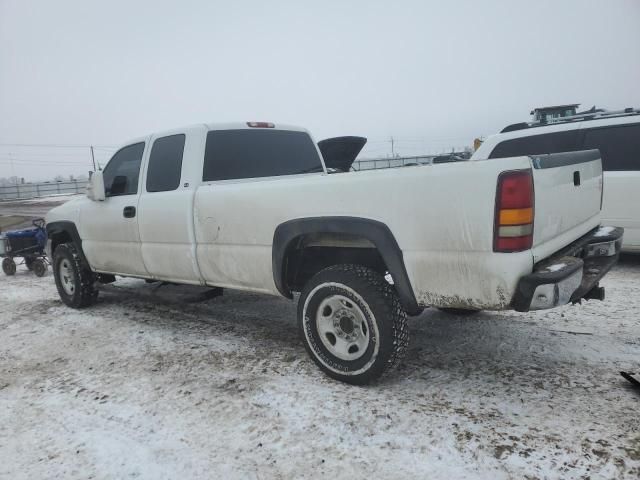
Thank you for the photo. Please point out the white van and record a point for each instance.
(615, 134)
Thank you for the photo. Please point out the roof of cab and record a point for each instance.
(245, 126)
(210, 126)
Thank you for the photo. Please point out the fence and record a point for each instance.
(393, 162)
(44, 189)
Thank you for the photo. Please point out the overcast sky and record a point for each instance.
(432, 74)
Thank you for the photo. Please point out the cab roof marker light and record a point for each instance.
(260, 125)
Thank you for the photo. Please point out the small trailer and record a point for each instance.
(27, 244)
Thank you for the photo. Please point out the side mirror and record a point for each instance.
(95, 187)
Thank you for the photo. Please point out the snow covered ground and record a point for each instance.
(148, 384)
(34, 207)
(56, 198)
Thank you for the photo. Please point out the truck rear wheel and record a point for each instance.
(352, 323)
(74, 280)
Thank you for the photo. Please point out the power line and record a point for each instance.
(53, 145)
(47, 155)
(8, 161)
(44, 158)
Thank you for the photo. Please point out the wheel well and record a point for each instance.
(310, 253)
(303, 246)
(58, 238)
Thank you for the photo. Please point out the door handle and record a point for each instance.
(129, 212)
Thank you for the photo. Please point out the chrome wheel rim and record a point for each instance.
(342, 327)
(66, 277)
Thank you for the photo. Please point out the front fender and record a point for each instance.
(63, 229)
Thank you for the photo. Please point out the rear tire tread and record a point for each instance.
(381, 298)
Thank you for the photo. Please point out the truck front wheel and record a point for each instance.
(352, 323)
(74, 280)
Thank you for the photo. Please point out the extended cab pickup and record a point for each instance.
(254, 207)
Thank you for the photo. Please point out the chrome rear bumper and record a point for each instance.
(572, 273)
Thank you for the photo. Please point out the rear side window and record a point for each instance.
(555, 142)
(619, 146)
(165, 163)
(122, 172)
(233, 154)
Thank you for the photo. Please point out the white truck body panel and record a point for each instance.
(236, 221)
(165, 219)
(109, 240)
(220, 233)
(565, 211)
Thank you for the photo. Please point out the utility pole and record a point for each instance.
(13, 171)
(93, 159)
(393, 152)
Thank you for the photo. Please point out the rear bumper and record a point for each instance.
(572, 273)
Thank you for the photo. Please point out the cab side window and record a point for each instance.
(619, 146)
(122, 172)
(165, 163)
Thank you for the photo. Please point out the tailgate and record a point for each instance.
(568, 196)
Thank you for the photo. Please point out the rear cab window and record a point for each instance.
(165, 163)
(251, 153)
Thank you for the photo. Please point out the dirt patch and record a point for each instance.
(13, 222)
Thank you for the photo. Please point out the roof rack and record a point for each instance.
(594, 114)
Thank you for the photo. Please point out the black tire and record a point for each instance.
(8, 266)
(373, 317)
(39, 267)
(463, 312)
(28, 262)
(69, 268)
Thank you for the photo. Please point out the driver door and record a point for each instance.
(109, 229)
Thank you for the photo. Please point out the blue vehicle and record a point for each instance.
(27, 244)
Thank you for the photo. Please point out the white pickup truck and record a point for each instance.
(260, 207)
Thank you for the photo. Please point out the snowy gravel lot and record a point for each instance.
(149, 384)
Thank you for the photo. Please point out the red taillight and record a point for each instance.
(513, 229)
(515, 189)
(260, 125)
